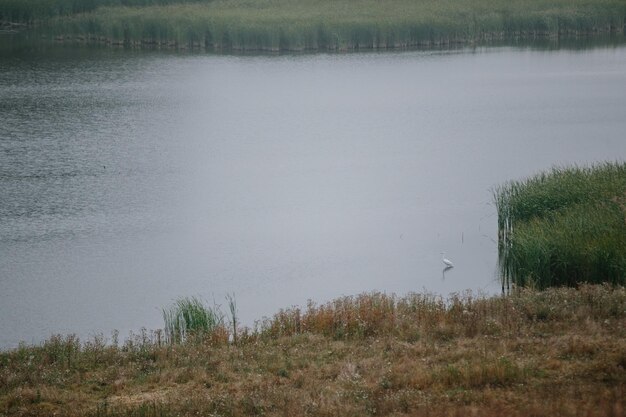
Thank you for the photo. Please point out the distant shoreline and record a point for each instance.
(322, 25)
(485, 40)
(525, 39)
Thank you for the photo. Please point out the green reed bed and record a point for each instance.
(564, 227)
(337, 24)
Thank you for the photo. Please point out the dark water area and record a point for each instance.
(129, 178)
(29, 41)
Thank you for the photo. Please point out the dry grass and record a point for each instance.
(556, 352)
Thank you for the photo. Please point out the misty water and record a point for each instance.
(129, 179)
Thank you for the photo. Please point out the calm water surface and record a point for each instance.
(129, 179)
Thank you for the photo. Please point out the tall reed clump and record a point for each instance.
(190, 318)
(563, 227)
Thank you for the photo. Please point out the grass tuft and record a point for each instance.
(190, 318)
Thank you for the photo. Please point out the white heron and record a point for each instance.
(446, 261)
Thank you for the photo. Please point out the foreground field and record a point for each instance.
(557, 352)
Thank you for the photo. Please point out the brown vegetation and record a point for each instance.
(558, 352)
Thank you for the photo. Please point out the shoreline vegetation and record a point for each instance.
(553, 344)
(563, 227)
(315, 25)
(561, 351)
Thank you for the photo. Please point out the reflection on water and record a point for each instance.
(12, 42)
(131, 178)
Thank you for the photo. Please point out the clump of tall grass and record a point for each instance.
(563, 227)
(189, 318)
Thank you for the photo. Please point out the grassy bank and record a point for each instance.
(335, 24)
(557, 352)
(564, 227)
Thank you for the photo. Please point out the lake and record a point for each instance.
(131, 178)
